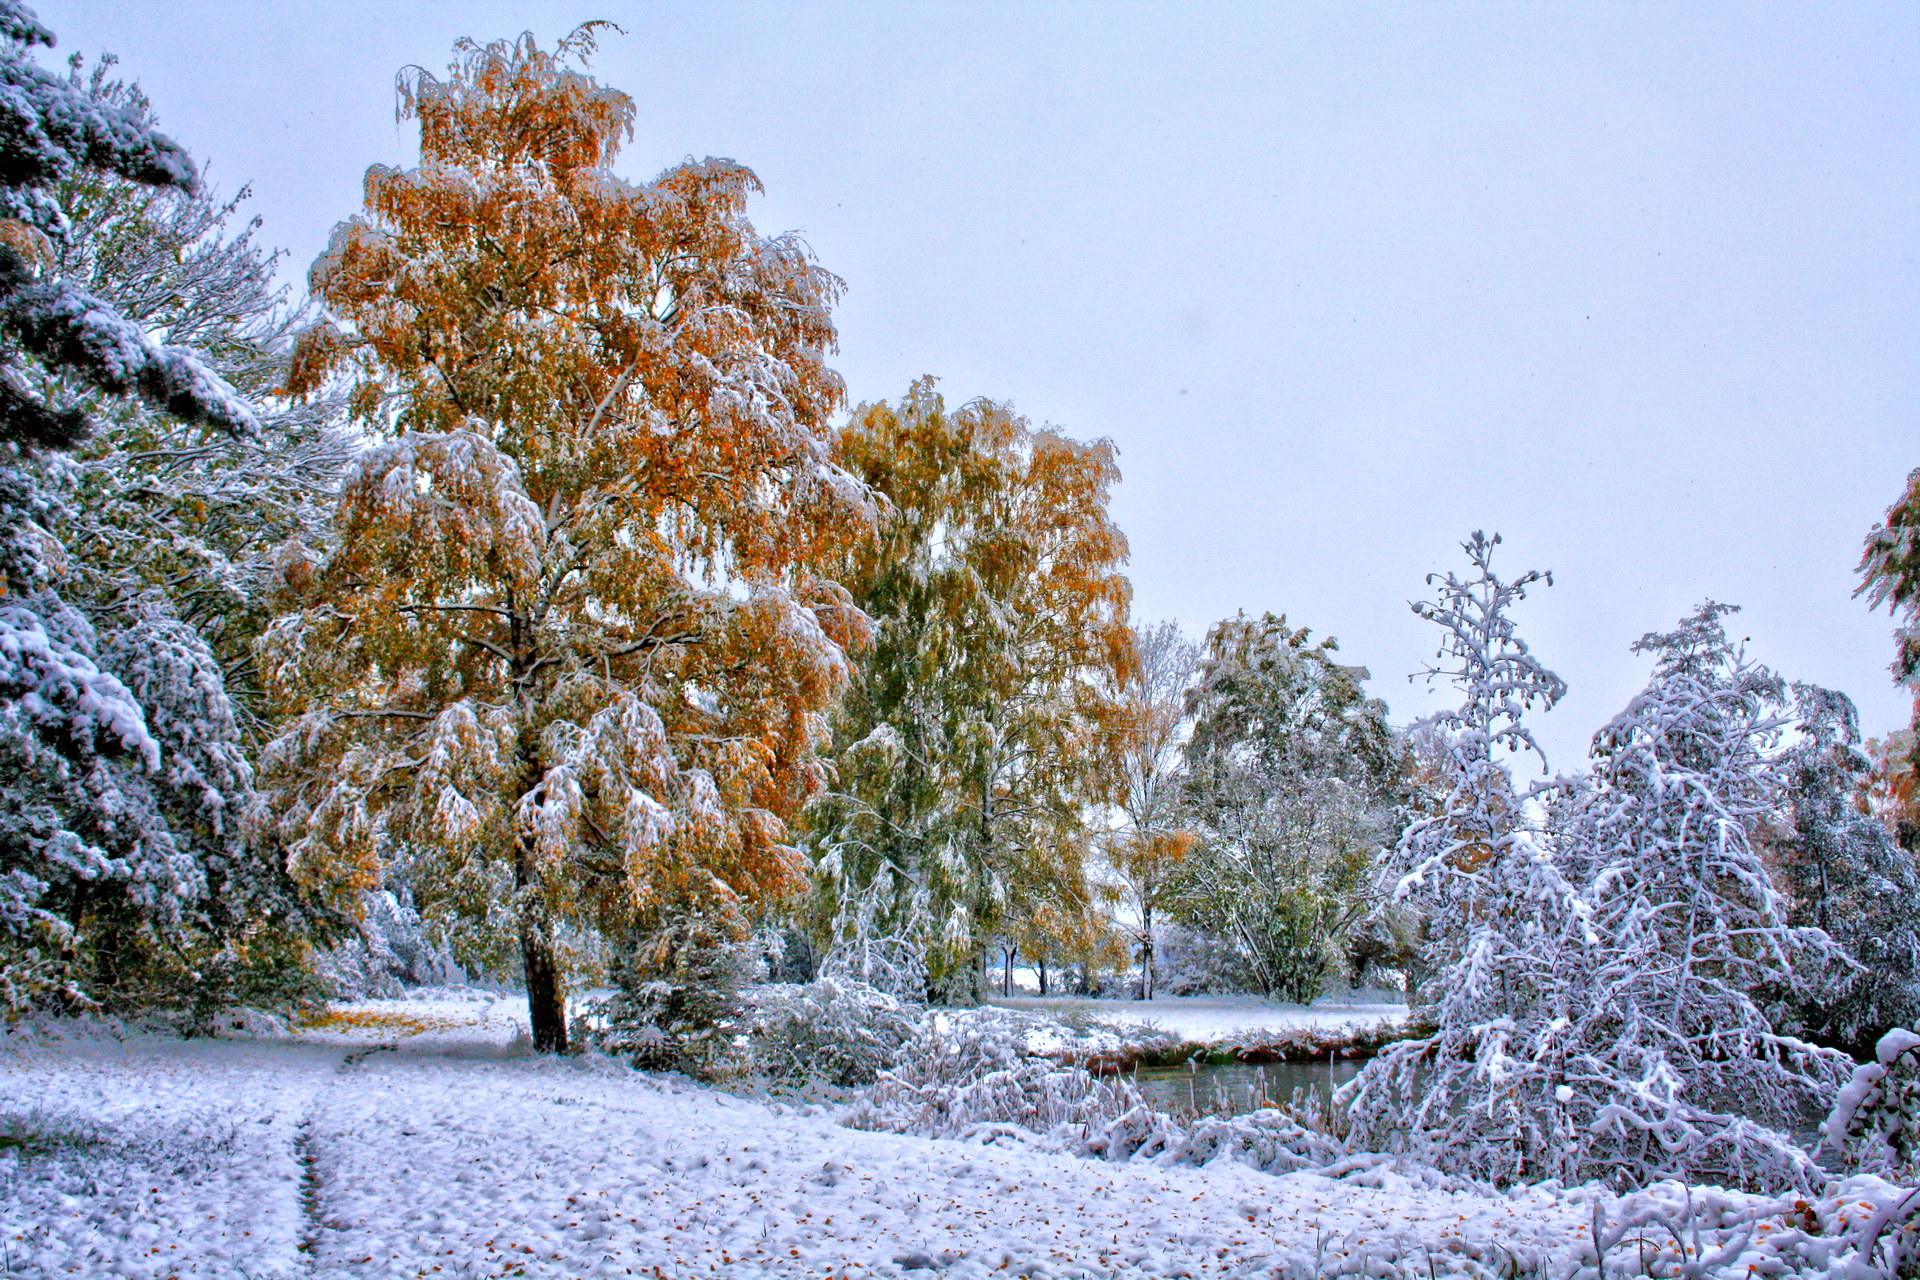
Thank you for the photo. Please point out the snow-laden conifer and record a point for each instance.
(1605, 1016)
(115, 761)
(1675, 1067)
(1478, 1094)
(1845, 874)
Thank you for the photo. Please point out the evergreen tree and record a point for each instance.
(171, 531)
(1603, 1017)
(1846, 875)
(980, 732)
(1496, 906)
(113, 783)
(566, 661)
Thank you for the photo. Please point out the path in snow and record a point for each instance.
(450, 1155)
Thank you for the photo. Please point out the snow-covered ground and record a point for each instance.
(419, 1138)
(1208, 1019)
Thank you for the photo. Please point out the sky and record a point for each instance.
(1632, 285)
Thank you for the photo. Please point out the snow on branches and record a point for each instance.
(1479, 1095)
(567, 661)
(1602, 945)
(52, 128)
(123, 788)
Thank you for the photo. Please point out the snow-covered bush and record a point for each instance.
(1272, 1140)
(1875, 1124)
(1859, 1228)
(845, 1033)
(971, 1077)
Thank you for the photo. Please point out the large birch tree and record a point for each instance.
(569, 656)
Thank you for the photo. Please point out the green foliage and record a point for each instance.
(979, 730)
(1291, 775)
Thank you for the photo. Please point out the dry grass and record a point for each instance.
(383, 1021)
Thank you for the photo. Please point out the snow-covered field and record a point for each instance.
(419, 1138)
(1207, 1019)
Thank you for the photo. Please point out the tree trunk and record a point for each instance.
(1006, 977)
(1146, 953)
(546, 1002)
(546, 999)
(1042, 963)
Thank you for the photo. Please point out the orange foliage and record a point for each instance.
(570, 653)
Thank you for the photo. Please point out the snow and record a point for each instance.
(418, 1137)
(1213, 1019)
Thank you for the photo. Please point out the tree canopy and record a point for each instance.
(567, 657)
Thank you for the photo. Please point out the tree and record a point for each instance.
(1145, 853)
(1889, 792)
(1675, 1068)
(163, 516)
(1603, 1019)
(978, 737)
(1845, 874)
(169, 530)
(1289, 780)
(109, 779)
(566, 664)
(1890, 575)
(1498, 909)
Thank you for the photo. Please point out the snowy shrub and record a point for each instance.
(1862, 1228)
(1272, 1140)
(971, 1078)
(845, 1033)
(1187, 963)
(1875, 1124)
(680, 1004)
(974, 1079)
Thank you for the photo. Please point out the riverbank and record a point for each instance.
(1127, 1035)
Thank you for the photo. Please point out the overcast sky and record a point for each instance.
(1633, 285)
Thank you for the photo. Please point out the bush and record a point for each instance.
(971, 1077)
(680, 1003)
(843, 1032)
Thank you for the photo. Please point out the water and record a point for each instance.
(1240, 1087)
